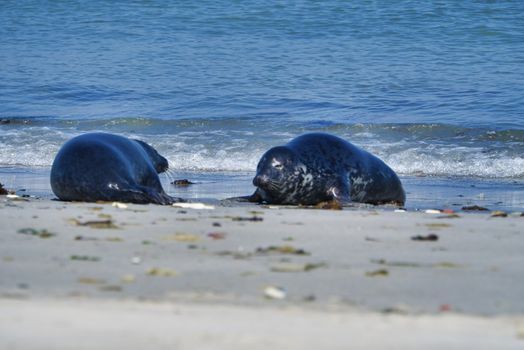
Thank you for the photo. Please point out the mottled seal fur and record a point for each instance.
(105, 167)
(318, 167)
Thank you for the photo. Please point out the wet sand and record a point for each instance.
(84, 275)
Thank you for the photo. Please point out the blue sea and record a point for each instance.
(434, 88)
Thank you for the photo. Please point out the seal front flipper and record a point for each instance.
(338, 190)
(254, 198)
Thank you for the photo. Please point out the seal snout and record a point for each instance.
(261, 180)
(162, 166)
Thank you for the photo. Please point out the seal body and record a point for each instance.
(318, 167)
(105, 167)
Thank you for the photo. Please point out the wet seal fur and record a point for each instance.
(106, 167)
(317, 167)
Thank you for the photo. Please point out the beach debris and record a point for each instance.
(96, 208)
(110, 288)
(100, 224)
(182, 183)
(216, 235)
(253, 218)
(444, 264)
(437, 225)
(22, 286)
(474, 208)
(401, 210)
(186, 219)
(84, 258)
(371, 239)
(128, 278)
(396, 263)
(15, 197)
(444, 308)
(146, 242)
(378, 273)
(330, 205)
(119, 205)
(181, 237)
(3, 191)
(283, 249)
(194, 206)
(90, 280)
(398, 309)
(272, 292)
(294, 267)
(309, 298)
(498, 214)
(114, 239)
(217, 224)
(432, 211)
(84, 238)
(136, 260)
(520, 333)
(430, 237)
(235, 254)
(449, 216)
(162, 272)
(34, 232)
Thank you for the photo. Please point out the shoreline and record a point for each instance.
(423, 192)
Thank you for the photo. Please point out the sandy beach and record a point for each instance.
(84, 275)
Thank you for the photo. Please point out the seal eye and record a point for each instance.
(277, 165)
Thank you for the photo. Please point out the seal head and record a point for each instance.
(159, 163)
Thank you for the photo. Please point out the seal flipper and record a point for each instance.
(144, 195)
(338, 190)
(256, 197)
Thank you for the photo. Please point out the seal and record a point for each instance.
(318, 167)
(106, 167)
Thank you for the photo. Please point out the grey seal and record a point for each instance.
(106, 167)
(318, 167)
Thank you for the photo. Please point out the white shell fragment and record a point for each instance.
(119, 205)
(432, 211)
(193, 206)
(274, 292)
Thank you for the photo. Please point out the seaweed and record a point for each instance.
(182, 183)
(34, 232)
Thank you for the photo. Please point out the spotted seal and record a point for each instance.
(319, 167)
(106, 167)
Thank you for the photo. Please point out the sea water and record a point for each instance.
(433, 88)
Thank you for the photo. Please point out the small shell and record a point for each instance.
(271, 292)
(119, 205)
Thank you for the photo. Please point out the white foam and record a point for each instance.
(225, 151)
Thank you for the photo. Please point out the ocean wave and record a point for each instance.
(235, 144)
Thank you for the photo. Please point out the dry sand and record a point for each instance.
(85, 275)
